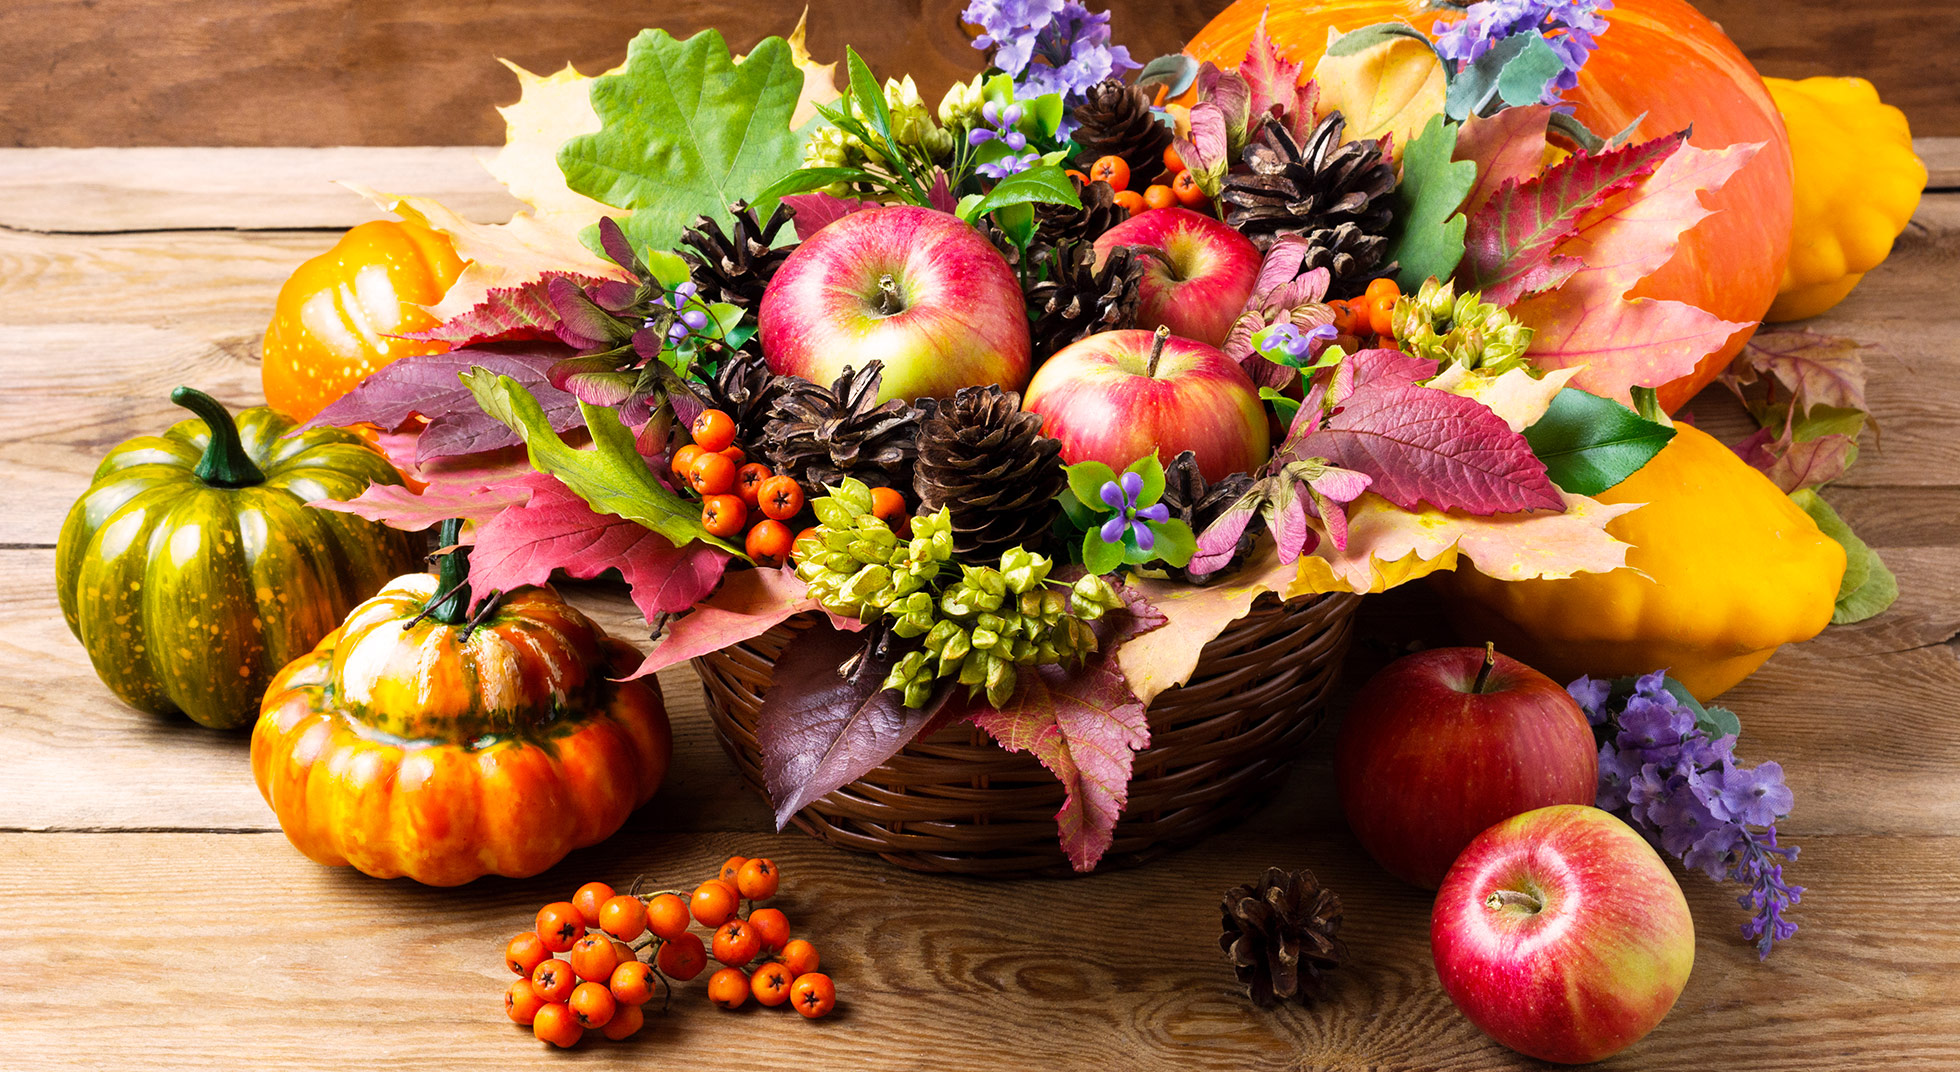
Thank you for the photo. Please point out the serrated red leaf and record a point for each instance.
(507, 314)
(1274, 83)
(1506, 147)
(749, 603)
(1510, 246)
(1423, 445)
(814, 212)
(429, 385)
(556, 530)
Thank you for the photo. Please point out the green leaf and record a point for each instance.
(1175, 72)
(1589, 443)
(1098, 556)
(1367, 37)
(1045, 184)
(1427, 238)
(1176, 543)
(1717, 722)
(1283, 406)
(1514, 72)
(810, 178)
(684, 130)
(612, 476)
(1152, 472)
(1522, 81)
(870, 99)
(1086, 480)
(666, 267)
(1869, 586)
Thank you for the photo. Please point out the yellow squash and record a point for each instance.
(1857, 185)
(1729, 569)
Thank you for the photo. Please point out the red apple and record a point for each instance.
(1116, 396)
(1200, 284)
(1435, 749)
(916, 289)
(1561, 933)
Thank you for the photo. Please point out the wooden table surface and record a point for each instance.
(157, 918)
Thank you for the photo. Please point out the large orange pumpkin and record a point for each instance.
(1660, 57)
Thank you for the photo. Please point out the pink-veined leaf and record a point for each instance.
(1506, 147)
(1382, 367)
(556, 530)
(1275, 85)
(1512, 247)
(1422, 445)
(1818, 370)
(1792, 464)
(429, 385)
(749, 603)
(507, 314)
(814, 212)
(399, 508)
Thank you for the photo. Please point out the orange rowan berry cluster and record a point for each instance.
(737, 495)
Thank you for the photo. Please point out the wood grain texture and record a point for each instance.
(423, 72)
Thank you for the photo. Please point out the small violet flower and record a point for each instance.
(1296, 344)
(1121, 495)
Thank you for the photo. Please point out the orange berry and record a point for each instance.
(730, 868)
(667, 916)
(1131, 201)
(711, 474)
(813, 995)
(559, 925)
(632, 984)
(1172, 161)
(524, 953)
(770, 985)
(625, 918)
(723, 515)
(1185, 186)
(1080, 178)
(1157, 195)
(737, 455)
(887, 503)
(736, 943)
(682, 958)
(729, 988)
(593, 1004)
(781, 498)
(1113, 170)
(593, 958)
(713, 903)
(557, 1024)
(749, 480)
(588, 899)
(1384, 286)
(626, 1021)
(759, 878)
(769, 541)
(771, 926)
(1380, 318)
(713, 430)
(625, 954)
(683, 458)
(521, 1002)
(554, 980)
(799, 956)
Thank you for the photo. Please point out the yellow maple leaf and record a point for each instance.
(550, 110)
(1163, 658)
(1392, 87)
(819, 79)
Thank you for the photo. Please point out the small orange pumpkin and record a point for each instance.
(413, 742)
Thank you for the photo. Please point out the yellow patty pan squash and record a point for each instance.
(427, 739)
(1858, 183)
(1729, 569)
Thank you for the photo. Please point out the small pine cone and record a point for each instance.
(1282, 935)
(1056, 225)
(735, 266)
(1115, 119)
(747, 391)
(1336, 196)
(1198, 504)
(1077, 299)
(820, 435)
(985, 460)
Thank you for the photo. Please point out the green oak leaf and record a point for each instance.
(1590, 444)
(612, 476)
(1427, 238)
(684, 130)
(1869, 586)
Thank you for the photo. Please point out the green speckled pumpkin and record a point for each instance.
(193, 569)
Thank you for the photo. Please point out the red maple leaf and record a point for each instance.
(1274, 83)
(507, 314)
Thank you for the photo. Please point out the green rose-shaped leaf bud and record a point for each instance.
(1441, 325)
(1092, 596)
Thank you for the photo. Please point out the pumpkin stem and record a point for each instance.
(451, 603)
(225, 463)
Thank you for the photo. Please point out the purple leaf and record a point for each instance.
(819, 730)
(505, 314)
(429, 385)
(1220, 539)
(814, 212)
(581, 323)
(1423, 445)
(1286, 516)
(1381, 367)
(596, 381)
(941, 195)
(618, 249)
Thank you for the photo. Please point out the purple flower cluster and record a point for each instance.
(1660, 768)
(1049, 46)
(1569, 26)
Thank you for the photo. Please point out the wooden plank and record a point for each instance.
(316, 968)
(162, 189)
(1942, 159)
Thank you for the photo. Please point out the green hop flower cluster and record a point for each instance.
(912, 121)
(995, 620)
(857, 567)
(1442, 325)
(960, 108)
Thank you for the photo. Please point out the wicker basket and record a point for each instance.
(1220, 746)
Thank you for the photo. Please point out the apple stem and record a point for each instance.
(1514, 899)
(1483, 672)
(888, 300)
(1157, 351)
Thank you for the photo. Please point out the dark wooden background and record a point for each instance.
(423, 72)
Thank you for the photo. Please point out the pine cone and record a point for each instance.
(747, 391)
(1281, 935)
(1198, 504)
(1075, 299)
(986, 461)
(1334, 195)
(822, 435)
(1055, 224)
(735, 268)
(1115, 120)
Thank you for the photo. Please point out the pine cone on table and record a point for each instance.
(1115, 119)
(735, 266)
(985, 460)
(1197, 504)
(1281, 935)
(1336, 196)
(1076, 299)
(820, 435)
